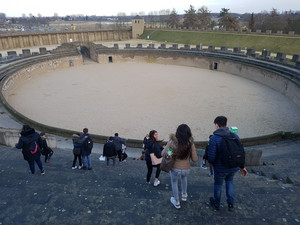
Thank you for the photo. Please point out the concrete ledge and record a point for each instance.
(10, 137)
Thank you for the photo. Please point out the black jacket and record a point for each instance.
(109, 149)
(28, 135)
(152, 147)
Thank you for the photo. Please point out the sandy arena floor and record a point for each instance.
(132, 99)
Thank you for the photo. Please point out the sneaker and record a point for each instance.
(230, 208)
(184, 197)
(89, 168)
(203, 166)
(175, 203)
(156, 183)
(211, 175)
(74, 167)
(79, 167)
(212, 203)
(43, 172)
(84, 167)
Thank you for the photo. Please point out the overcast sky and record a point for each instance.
(112, 8)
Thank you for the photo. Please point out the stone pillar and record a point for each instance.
(250, 51)
(296, 57)
(258, 31)
(283, 60)
(224, 48)
(175, 46)
(186, 47)
(163, 46)
(298, 64)
(139, 46)
(237, 49)
(12, 53)
(151, 46)
(127, 45)
(198, 47)
(268, 31)
(211, 48)
(279, 32)
(43, 51)
(265, 53)
(291, 33)
(116, 46)
(281, 55)
(26, 52)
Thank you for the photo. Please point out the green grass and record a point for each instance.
(289, 45)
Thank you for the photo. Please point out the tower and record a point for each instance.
(137, 26)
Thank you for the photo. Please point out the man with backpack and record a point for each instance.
(86, 149)
(226, 154)
(30, 143)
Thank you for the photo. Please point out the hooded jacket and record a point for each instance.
(182, 164)
(28, 135)
(215, 150)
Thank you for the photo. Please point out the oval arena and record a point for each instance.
(136, 89)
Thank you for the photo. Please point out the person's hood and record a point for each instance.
(149, 144)
(222, 131)
(27, 130)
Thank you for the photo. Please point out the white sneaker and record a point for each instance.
(175, 203)
(74, 167)
(79, 167)
(156, 183)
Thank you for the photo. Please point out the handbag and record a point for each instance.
(155, 161)
(167, 162)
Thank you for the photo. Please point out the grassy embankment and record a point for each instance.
(289, 45)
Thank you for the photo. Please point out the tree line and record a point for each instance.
(201, 18)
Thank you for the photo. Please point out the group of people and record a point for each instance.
(115, 146)
(180, 146)
(183, 150)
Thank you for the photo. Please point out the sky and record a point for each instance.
(17, 8)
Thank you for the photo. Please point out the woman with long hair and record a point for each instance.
(153, 146)
(182, 149)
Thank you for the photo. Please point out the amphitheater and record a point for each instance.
(132, 87)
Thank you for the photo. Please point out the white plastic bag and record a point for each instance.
(102, 158)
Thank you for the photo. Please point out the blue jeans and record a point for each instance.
(175, 175)
(219, 178)
(38, 162)
(89, 161)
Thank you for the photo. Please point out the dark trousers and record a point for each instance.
(150, 168)
(38, 162)
(119, 155)
(48, 155)
(75, 159)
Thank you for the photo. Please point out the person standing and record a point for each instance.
(30, 143)
(109, 151)
(48, 152)
(153, 146)
(221, 172)
(118, 143)
(182, 149)
(85, 151)
(77, 145)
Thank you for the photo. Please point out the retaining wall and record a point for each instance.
(281, 78)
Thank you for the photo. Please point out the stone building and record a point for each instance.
(138, 24)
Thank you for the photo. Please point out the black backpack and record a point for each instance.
(233, 153)
(88, 145)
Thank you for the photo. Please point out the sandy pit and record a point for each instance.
(133, 99)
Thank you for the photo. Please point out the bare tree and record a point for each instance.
(173, 20)
(227, 20)
(204, 17)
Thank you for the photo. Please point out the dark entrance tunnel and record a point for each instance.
(85, 52)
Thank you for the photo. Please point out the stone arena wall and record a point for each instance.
(278, 82)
